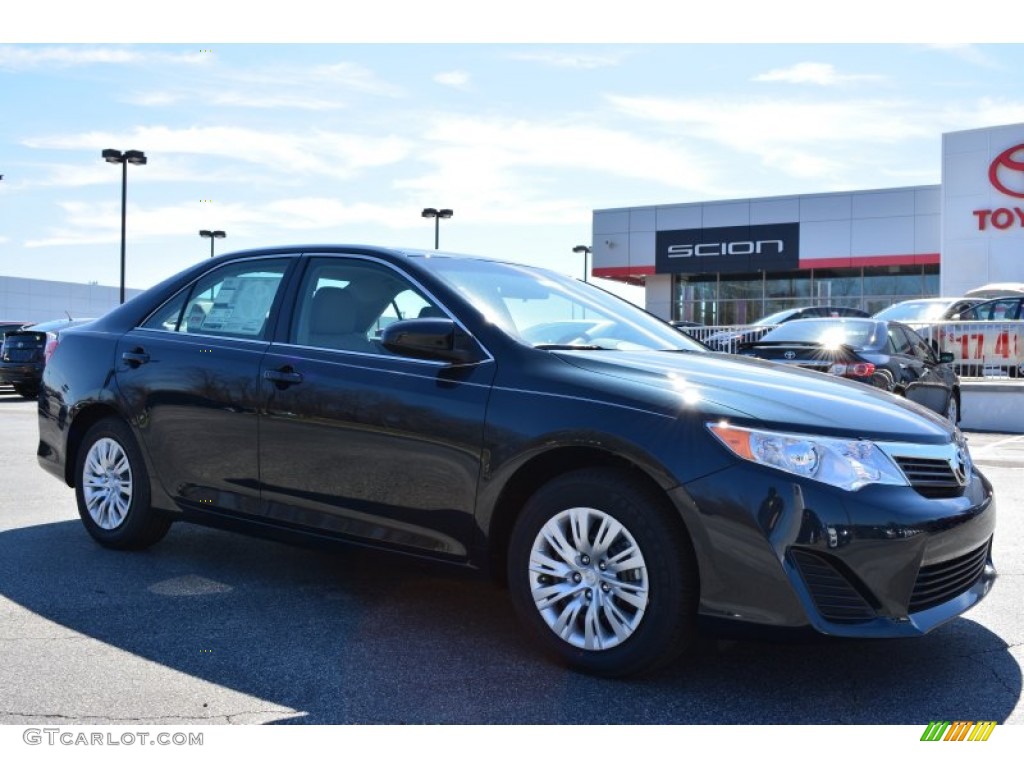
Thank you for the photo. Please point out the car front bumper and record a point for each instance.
(884, 561)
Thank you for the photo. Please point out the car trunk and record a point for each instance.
(24, 347)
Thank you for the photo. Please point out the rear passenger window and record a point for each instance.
(234, 300)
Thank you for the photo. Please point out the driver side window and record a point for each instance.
(345, 304)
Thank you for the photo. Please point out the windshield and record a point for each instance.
(914, 310)
(546, 309)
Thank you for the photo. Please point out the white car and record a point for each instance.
(927, 310)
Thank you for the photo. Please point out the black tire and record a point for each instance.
(953, 408)
(28, 391)
(112, 489)
(654, 601)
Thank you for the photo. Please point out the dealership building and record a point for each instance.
(734, 261)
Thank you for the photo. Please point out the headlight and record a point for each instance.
(846, 464)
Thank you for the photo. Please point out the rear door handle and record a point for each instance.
(136, 357)
(283, 376)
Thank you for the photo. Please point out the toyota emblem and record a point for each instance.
(1007, 166)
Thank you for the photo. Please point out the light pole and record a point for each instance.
(584, 249)
(437, 215)
(133, 157)
(213, 234)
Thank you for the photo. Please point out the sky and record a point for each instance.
(344, 133)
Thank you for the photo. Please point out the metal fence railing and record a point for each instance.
(986, 349)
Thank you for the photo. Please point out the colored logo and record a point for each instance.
(960, 730)
(1006, 166)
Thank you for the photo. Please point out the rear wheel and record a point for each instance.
(603, 574)
(112, 489)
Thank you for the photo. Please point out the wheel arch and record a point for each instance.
(542, 468)
(80, 425)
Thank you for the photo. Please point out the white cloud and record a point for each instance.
(318, 88)
(469, 145)
(32, 57)
(345, 75)
(331, 154)
(456, 79)
(815, 73)
(568, 60)
(90, 223)
(969, 53)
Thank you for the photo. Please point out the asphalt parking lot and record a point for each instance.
(210, 627)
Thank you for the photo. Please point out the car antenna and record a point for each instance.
(69, 315)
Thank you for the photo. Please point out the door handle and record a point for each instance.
(283, 377)
(136, 357)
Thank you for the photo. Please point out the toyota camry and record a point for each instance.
(630, 486)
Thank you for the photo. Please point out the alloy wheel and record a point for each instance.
(107, 483)
(588, 579)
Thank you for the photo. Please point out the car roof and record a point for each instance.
(997, 290)
(53, 325)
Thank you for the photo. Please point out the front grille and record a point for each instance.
(932, 478)
(835, 597)
(943, 581)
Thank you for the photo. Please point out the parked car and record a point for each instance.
(926, 310)
(882, 353)
(996, 290)
(729, 341)
(626, 487)
(23, 354)
(1003, 308)
(6, 326)
(981, 349)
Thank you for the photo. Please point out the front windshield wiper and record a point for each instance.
(569, 346)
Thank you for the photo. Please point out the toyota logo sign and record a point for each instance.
(1007, 172)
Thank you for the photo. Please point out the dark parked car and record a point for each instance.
(884, 354)
(6, 326)
(630, 487)
(729, 341)
(23, 354)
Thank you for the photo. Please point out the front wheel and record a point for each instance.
(953, 408)
(112, 489)
(603, 574)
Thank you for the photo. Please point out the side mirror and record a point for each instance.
(946, 357)
(432, 338)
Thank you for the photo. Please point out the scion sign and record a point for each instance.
(729, 249)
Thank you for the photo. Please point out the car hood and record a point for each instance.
(772, 396)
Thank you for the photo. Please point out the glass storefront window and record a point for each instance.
(744, 298)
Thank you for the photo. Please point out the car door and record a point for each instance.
(907, 366)
(356, 440)
(189, 378)
(924, 379)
